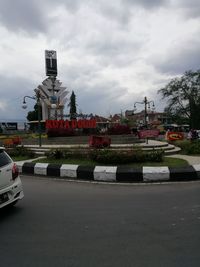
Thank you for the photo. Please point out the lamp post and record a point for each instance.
(146, 103)
(37, 97)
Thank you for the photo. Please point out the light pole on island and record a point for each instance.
(37, 97)
(146, 104)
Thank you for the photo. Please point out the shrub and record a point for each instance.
(188, 147)
(118, 157)
(107, 156)
(76, 154)
(55, 154)
(154, 156)
(65, 154)
(193, 147)
(20, 151)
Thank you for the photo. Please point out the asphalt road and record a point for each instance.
(62, 223)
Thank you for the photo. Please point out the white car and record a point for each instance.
(10, 183)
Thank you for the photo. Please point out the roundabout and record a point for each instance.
(121, 174)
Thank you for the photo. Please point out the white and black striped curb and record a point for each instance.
(111, 174)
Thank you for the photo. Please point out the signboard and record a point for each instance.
(148, 133)
(8, 125)
(51, 62)
(70, 124)
(173, 136)
(129, 112)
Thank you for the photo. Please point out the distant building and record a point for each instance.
(116, 118)
(102, 123)
(153, 118)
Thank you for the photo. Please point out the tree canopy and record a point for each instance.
(33, 115)
(183, 96)
(72, 106)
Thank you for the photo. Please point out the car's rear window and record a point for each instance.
(4, 159)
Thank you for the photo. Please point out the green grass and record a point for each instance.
(170, 162)
(19, 158)
(22, 135)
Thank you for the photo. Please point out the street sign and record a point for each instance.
(148, 133)
(174, 136)
(51, 62)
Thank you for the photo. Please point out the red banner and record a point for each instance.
(148, 133)
(66, 124)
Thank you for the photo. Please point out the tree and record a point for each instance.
(72, 105)
(33, 115)
(183, 96)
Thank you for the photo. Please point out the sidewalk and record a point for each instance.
(192, 160)
(151, 143)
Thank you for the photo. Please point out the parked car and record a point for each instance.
(10, 183)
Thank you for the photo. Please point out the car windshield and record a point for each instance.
(4, 159)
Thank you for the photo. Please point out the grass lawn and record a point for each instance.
(19, 158)
(170, 162)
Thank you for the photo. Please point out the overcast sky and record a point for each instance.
(111, 53)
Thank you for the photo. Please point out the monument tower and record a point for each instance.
(53, 95)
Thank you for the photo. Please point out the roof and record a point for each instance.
(100, 119)
(115, 118)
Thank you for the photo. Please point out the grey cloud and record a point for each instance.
(70, 5)
(190, 9)
(180, 61)
(94, 94)
(121, 11)
(22, 15)
(94, 35)
(159, 102)
(13, 89)
(114, 52)
(102, 97)
(75, 74)
(114, 46)
(114, 11)
(147, 4)
(112, 8)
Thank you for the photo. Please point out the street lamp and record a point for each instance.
(146, 104)
(37, 97)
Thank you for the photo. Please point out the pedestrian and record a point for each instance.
(192, 135)
(189, 136)
(166, 134)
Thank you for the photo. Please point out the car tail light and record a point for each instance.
(15, 171)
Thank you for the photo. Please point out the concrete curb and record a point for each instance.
(111, 173)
